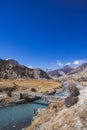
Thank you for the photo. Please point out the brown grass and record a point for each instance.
(6, 100)
(49, 114)
(39, 85)
(6, 84)
(57, 117)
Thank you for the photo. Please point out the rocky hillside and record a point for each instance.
(78, 73)
(60, 72)
(79, 69)
(12, 69)
(58, 117)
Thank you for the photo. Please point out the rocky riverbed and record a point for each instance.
(20, 97)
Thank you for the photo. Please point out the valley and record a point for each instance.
(34, 89)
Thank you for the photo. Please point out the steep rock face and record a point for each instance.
(12, 69)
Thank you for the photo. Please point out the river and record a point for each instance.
(19, 116)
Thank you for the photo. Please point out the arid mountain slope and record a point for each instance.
(12, 69)
(78, 73)
(81, 68)
(60, 72)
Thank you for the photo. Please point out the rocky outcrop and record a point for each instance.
(69, 101)
(12, 69)
(74, 91)
(73, 94)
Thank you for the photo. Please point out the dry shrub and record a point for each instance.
(48, 114)
(83, 117)
(33, 90)
(57, 104)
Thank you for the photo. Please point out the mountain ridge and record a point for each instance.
(12, 69)
(77, 73)
(60, 72)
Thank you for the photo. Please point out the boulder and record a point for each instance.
(69, 101)
(73, 91)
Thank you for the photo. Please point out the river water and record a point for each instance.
(62, 93)
(19, 116)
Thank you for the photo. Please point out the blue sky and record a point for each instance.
(44, 33)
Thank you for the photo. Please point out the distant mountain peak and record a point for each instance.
(60, 72)
(67, 66)
(67, 69)
(12, 61)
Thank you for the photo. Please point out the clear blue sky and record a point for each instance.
(43, 33)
